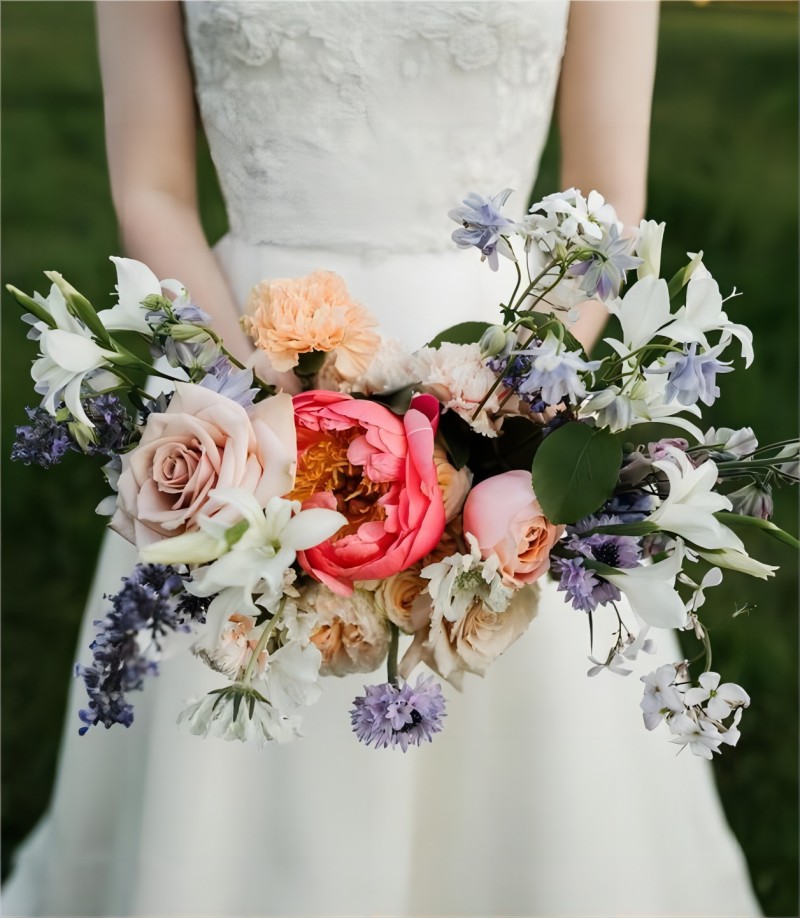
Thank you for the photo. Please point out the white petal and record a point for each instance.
(310, 527)
(72, 352)
(135, 281)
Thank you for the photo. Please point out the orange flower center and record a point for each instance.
(324, 466)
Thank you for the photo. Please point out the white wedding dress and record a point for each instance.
(343, 133)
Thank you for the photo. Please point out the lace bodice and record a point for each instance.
(357, 125)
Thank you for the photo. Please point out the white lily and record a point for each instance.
(650, 589)
(642, 312)
(703, 313)
(648, 248)
(688, 510)
(135, 281)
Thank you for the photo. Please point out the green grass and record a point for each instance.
(723, 175)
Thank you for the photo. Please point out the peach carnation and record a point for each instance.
(294, 316)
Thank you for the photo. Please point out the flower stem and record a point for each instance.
(391, 659)
(269, 627)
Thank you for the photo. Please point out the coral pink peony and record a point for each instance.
(504, 516)
(201, 442)
(295, 316)
(377, 469)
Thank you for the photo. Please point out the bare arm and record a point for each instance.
(150, 140)
(605, 97)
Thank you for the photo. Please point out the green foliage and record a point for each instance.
(723, 174)
(463, 333)
(575, 470)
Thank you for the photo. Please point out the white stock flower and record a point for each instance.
(688, 509)
(456, 582)
(661, 698)
(648, 248)
(703, 313)
(722, 699)
(650, 589)
(135, 281)
(701, 736)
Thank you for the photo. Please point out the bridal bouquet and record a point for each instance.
(423, 494)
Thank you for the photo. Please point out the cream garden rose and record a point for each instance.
(351, 633)
(201, 442)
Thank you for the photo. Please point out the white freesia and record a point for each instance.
(291, 677)
(703, 313)
(648, 248)
(650, 589)
(661, 697)
(689, 508)
(457, 581)
(135, 281)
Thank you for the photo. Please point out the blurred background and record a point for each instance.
(724, 176)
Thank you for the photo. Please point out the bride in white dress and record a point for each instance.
(342, 134)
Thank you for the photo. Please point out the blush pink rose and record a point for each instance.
(377, 469)
(202, 441)
(504, 516)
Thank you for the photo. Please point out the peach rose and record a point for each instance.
(377, 469)
(472, 643)
(202, 441)
(296, 316)
(455, 483)
(351, 633)
(504, 516)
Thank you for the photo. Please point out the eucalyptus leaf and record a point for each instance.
(575, 470)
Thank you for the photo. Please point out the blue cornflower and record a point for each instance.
(152, 599)
(45, 442)
(604, 270)
(692, 376)
(390, 716)
(224, 378)
(483, 225)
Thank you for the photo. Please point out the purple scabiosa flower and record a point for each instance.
(388, 715)
(604, 271)
(692, 376)
(152, 600)
(579, 583)
(483, 225)
(554, 374)
(44, 442)
(613, 550)
(224, 378)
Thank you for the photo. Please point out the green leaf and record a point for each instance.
(575, 471)
(463, 333)
(753, 522)
(310, 364)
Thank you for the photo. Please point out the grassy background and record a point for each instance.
(724, 175)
